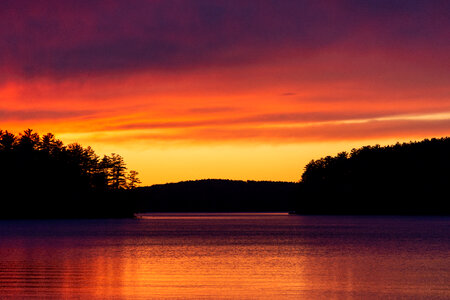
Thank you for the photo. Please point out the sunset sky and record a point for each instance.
(248, 90)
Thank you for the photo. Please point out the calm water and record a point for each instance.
(245, 256)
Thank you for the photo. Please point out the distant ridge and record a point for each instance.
(216, 195)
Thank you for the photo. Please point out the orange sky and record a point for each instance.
(216, 89)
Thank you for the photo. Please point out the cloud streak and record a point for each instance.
(33, 115)
(300, 118)
(369, 130)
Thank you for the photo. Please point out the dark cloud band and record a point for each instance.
(69, 38)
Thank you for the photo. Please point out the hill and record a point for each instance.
(216, 195)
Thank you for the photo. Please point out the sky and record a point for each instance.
(249, 90)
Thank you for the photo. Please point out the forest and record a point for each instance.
(40, 177)
(403, 179)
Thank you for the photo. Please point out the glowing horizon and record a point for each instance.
(225, 89)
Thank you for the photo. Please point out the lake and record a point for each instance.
(227, 256)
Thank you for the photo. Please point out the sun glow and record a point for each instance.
(199, 98)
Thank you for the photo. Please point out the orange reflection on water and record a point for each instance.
(217, 256)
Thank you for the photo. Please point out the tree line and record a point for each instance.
(405, 178)
(40, 177)
(41, 174)
(107, 172)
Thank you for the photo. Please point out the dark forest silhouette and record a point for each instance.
(409, 178)
(41, 177)
(216, 195)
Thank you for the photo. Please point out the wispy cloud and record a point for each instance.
(284, 119)
(28, 115)
(212, 110)
(370, 130)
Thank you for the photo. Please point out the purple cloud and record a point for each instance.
(69, 38)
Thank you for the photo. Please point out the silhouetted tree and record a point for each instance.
(133, 180)
(28, 140)
(50, 144)
(7, 140)
(118, 172)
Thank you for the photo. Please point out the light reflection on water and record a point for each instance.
(223, 256)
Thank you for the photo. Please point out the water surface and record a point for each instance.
(227, 256)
